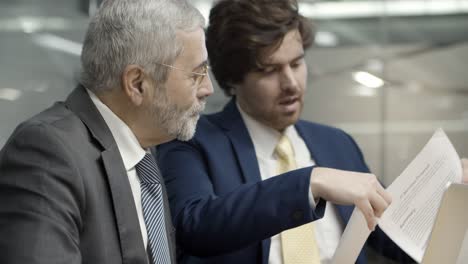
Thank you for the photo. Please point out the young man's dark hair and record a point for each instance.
(247, 33)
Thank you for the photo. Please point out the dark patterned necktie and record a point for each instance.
(153, 209)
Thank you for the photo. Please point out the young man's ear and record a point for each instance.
(133, 80)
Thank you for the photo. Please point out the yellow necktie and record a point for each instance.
(298, 244)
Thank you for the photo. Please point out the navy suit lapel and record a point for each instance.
(127, 223)
(315, 143)
(231, 120)
(323, 157)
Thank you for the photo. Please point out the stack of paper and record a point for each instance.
(416, 195)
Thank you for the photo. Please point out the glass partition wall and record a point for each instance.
(39, 56)
(388, 72)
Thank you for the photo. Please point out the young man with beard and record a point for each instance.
(229, 204)
(77, 182)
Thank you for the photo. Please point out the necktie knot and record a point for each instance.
(148, 170)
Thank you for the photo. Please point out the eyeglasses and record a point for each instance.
(197, 77)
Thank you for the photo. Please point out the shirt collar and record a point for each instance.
(265, 138)
(127, 143)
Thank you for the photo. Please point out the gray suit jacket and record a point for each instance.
(64, 192)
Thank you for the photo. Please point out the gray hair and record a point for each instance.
(141, 32)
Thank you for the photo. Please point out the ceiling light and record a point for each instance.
(58, 43)
(31, 24)
(360, 9)
(325, 39)
(9, 94)
(368, 80)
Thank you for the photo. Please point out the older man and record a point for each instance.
(77, 182)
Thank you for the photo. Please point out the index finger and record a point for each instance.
(366, 209)
(384, 193)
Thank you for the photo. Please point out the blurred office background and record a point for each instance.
(388, 72)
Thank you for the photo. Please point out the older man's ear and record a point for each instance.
(464, 162)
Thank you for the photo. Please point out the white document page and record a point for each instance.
(463, 257)
(353, 239)
(416, 195)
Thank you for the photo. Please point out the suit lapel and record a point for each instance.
(231, 120)
(127, 223)
(318, 150)
(124, 208)
(323, 157)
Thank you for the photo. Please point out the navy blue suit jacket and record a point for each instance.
(224, 213)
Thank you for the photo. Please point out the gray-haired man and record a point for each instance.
(77, 183)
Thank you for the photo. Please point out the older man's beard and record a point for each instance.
(178, 123)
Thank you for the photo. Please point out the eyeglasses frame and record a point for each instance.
(206, 68)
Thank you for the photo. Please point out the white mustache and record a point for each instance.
(197, 108)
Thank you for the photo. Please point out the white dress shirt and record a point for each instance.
(329, 229)
(131, 152)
